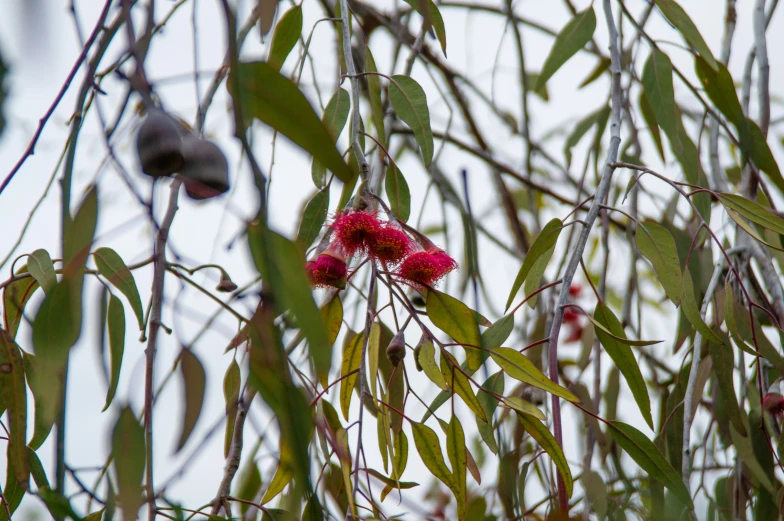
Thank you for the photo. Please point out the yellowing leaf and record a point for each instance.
(520, 368)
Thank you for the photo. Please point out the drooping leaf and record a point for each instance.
(313, 218)
(352, 355)
(542, 247)
(374, 93)
(79, 234)
(334, 119)
(398, 193)
(498, 333)
(282, 477)
(573, 37)
(518, 404)
(115, 321)
(542, 435)
(432, 17)
(281, 265)
(111, 266)
(580, 129)
(429, 449)
(410, 103)
(427, 359)
(723, 369)
(332, 313)
(649, 458)
(456, 320)
(620, 338)
(15, 297)
(650, 121)
(285, 37)
(678, 17)
(40, 387)
(657, 85)
(194, 382)
(373, 356)
(489, 402)
(40, 266)
(460, 384)
(742, 444)
(232, 381)
(13, 392)
(520, 368)
(658, 246)
(762, 155)
(623, 357)
(595, 492)
(692, 310)
(129, 461)
(273, 99)
(754, 212)
(401, 454)
(456, 451)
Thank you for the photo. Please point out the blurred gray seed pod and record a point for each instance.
(396, 351)
(205, 173)
(159, 144)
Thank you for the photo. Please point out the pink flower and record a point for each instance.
(774, 404)
(575, 290)
(329, 269)
(389, 245)
(426, 268)
(355, 231)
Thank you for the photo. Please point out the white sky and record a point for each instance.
(38, 40)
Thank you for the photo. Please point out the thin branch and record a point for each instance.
(159, 273)
(235, 453)
(351, 71)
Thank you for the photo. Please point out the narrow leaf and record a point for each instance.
(692, 311)
(285, 37)
(128, 454)
(429, 449)
(460, 384)
(543, 246)
(678, 17)
(410, 103)
(232, 381)
(13, 392)
(352, 355)
(40, 266)
(313, 218)
(658, 246)
(456, 320)
(334, 119)
(398, 193)
(456, 451)
(115, 321)
(542, 435)
(432, 17)
(520, 368)
(111, 266)
(573, 37)
(194, 381)
(427, 359)
(15, 297)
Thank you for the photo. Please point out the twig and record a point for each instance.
(763, 68)
(351, 71)
(235, 453)
(159, 272)
(99, 25)
(718, 177)
(574, 261)
(688, 413)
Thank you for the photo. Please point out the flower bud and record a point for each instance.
(396, 350)
(329, 269)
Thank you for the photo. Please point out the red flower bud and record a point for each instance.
(354, 232)
(575, 290)
(774, 404)
(571, 316)
(329, 269)
(575, 334)
(389, 245)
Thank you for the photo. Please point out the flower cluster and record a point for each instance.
(414, 261)
(572, 318)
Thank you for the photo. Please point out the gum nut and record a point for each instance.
(206, 170)
(159, 144)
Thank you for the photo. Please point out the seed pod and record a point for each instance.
(159, 144)
(396, 350)
(206, 170)
(417, 349)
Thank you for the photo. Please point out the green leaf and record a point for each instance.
(313, 218)
(79, 234)
(273, 99)
(489, 402)
(352, 355)
(285, 37)
(410, 103)
(194, 382)
(649, 116)
(498, 333)
(232, 381)
(12, 491)
(456, 451)
(742, 444)
(432, 17)
(281, 265)
(373, 347)
(762, 156)
(621, 339)
(543, 247)
(580, 129)
(15, 297)
(44, 400)
(542, 435)
(112, 268)
(658, 246)
(460, 384)
(248, 485)
(573, 37)
(456, 320)
(401, 454)
(678, 17)
(692, 311)
(129, 458)
(115, 321)
(650, 459)
(657, 85)
(334, 118)
(623, 357)
(595, 492)
(312, 511)
(427, 359)
(723, 369)
(398, 193)
(283, 475)
(391, 482)
(374, 93)
(332, 313)
(520, 368)
(518, 404)
(40, 266)
(429, 449)
(13, 392)
(720, 88)
(754, 212)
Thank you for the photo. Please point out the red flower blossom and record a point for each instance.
(575, 290)
(571, 316)
(329, 269)
(389, 245)
(575, 333)
(354, 231)
(774, 404)
(426, 267)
